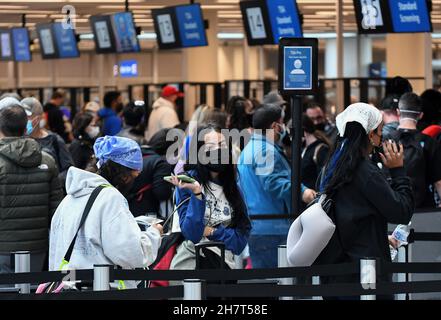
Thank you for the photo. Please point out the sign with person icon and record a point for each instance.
(298, 67)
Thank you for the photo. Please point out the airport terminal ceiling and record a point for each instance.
(319, 16)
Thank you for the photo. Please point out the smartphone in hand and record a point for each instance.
(182, 177)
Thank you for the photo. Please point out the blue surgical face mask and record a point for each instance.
(283, 132)
(29, 128)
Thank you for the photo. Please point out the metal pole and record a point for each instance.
(401, 277)
(409, 259)
(238, 262)
(192, 289)
(22, 265)
(101, 280)
(282, 262)
(340, 55)
(316, 282)
(368, 276)
(296, 145)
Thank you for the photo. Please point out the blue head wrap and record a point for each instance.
(123, 151)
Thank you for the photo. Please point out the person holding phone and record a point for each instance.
(364, 201)
(211, 207)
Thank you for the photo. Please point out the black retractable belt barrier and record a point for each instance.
(42, 277)
(129, 294)
(411, 267)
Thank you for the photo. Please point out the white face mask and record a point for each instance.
(93, 132)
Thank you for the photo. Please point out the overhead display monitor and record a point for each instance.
(284, 18)
(126, 39)
(180, 27)
(266, 21)
(373, 16)
(102, 34)
(410, 16)
(47, 41)
(20, 44)
(256, 22)
(66, 41)
(6, 45)
(166, 28)
(191, 26)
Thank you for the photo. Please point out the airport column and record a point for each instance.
(410, 55)
(200, 64)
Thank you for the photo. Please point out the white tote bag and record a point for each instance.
(309, 234)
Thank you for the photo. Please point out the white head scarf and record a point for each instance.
(365, 114)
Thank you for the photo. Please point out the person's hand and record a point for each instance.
(392, 157)
(193, 187)
(393, 242)
(159, 228)
(208, 231)
(309, 195)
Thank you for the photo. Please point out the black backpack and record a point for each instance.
(415, 162)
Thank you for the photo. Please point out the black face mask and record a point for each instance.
(218, 160)
(320, 126)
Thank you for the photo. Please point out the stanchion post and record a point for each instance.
(101, 277)
(316, 282)
(23, 264)
(238, 262)
(368, 276)
(192, 289)
(401, 277)
(282, 260)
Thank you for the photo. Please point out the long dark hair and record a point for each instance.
(344, 161)
(226, 178)
(81, 121)
(115, 174)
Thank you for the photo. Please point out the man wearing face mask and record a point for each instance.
(49, 141)
(30, 190)
(265, 178)
(318, 117)
(110, 234)
(110, 114)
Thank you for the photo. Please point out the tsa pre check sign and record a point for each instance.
(297, 68)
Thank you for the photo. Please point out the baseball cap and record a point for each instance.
(10, 102)
(168, 91)
(274, 98)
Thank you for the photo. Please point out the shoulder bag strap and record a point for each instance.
(89, 205)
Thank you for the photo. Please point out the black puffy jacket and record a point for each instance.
(30, 191)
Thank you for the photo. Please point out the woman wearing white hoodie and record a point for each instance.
(110, 234)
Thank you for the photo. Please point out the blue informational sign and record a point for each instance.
(284, 19)
(297, 68)
(66, 41)
(125, 32)
(191, 26)
(128, 68)
(410, 16)
(20, 40)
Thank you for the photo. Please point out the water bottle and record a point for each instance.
(401, 233)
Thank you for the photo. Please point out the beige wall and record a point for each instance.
(410, 55)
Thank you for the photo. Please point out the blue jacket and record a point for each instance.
(112, 123)
(265, 178)
(191, 221)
